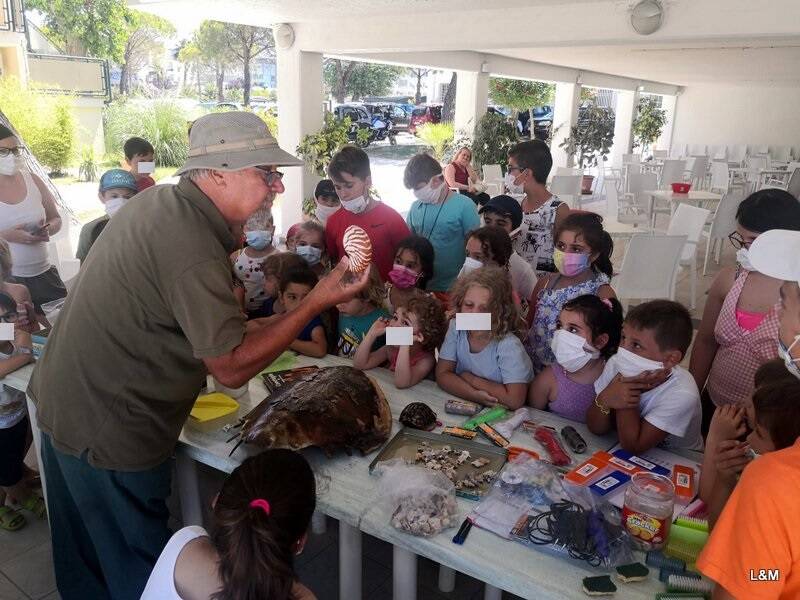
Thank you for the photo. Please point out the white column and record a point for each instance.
(664, 141)
(565, 115)
(623, 122)
(300, 98)
(472, 97)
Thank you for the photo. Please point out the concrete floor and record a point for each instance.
(26, 571)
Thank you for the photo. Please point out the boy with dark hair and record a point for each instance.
(642, 390)
(116, 188)
(139, 155)
(352, 179)
(442, 216)
(529, 165)
(506, 213)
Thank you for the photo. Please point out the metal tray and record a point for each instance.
(405, 443)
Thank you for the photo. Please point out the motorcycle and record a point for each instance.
(383, 128)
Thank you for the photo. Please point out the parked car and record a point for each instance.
(542, 122)
(429, 113)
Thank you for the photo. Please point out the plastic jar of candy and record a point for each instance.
(647, 512)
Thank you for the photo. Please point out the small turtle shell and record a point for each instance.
(418, 415)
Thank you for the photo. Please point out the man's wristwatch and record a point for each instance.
(603, 409)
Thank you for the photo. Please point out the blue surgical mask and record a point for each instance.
(258, 239)
(788, 360)
(310, 254)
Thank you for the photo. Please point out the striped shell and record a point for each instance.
(358, 247)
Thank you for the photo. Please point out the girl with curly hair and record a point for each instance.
(488, 367)
(410, 364)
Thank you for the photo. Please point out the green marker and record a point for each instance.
(488, 416)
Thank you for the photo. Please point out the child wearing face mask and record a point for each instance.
(489, 246)
(588, 334)
(413, 268)
(768, 421)
(309, 244)
(272, 269)
(410, 364)
(327, 202)
(116, 188)
(739, 330)
(259, 525)
(643, 391)
(583, 258)
(488, 367)
(140, 156)
(440, 215)
(529, 165)
(356, 316)
(247, 263)
(350, 171)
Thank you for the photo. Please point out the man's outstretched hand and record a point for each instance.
(340, 285)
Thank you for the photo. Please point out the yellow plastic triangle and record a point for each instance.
(213, 406)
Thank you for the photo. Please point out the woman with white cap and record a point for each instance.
(152, 314)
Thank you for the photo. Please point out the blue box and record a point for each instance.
(609, 483)
(642, 462)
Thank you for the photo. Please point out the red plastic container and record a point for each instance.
(681, 188)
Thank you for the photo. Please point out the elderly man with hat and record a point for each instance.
(153, 311)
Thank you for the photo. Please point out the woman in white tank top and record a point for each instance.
(28, 217)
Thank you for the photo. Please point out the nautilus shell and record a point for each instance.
(358, 247)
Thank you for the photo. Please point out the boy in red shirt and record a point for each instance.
(352, 179)
(139, 155)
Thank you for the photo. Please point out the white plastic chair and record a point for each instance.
(636, 206)
(672, 172)
(679, 150)
(718, 152)
(493, 178)
(720, 176)
(650, 268)
(689, 221)
(722, 224)
(660, 154)
(567, 171)
(567, 187)
(737, 153)
(781, 153)
(698, 149)
(697, 174)
(760, 149)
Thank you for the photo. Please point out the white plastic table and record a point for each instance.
(347, 492)
(696, 197)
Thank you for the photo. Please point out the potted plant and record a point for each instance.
(649, 122)
(590, 140)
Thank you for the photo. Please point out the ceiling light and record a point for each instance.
(646, 17)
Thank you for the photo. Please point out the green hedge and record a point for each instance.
(45, 122)
(163, 123)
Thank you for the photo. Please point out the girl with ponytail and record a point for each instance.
(261, 516)
(582, 256)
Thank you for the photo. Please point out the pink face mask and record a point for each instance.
(570, 263)
(403, 277)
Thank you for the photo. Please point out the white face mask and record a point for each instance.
(356, 205)
(323, 212)
(628, 364)
(311, 255)
(429, 194)
(743, 258)
(9, 165)
(513, 188)
(470, 264)
(785, 354)
(114, 203)
(570, 350)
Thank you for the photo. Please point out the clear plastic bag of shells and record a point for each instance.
(419, 501)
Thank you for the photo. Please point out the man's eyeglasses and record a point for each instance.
(510, 168)
(271, 177)
(737, 241)
(16, 151)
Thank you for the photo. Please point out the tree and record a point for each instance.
(520, 95)
(212, 41)
(146, 33)
(649, 122)
(246, 43)
(419, 74)
(86, 27)
(358, 79)
(449, 104)
(191, 56)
